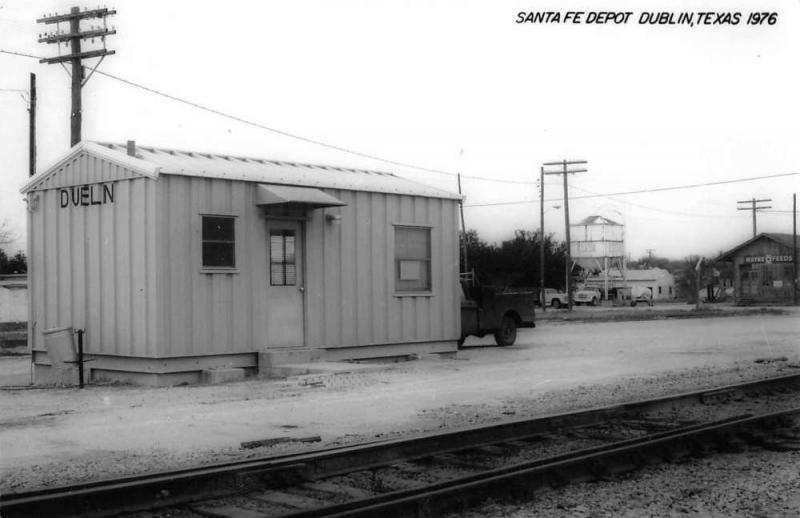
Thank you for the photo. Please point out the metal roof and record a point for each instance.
(308, 196)
(649, 274)
(597, 220)
(211, 165)
(782, 239)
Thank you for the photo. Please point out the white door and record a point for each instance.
(285, 287)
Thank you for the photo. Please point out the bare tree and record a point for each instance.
(6, 235)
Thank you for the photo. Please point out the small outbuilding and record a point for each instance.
(176, 262)
(763, 269)
(660, 282)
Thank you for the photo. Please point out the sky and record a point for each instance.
(450, 86)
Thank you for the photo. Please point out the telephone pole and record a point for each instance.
(74, 37)
(566, 171)
(794, 247)
(541, 239)
(463, 229)
(753, 207)
(32, 128)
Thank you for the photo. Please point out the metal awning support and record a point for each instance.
(310, 197)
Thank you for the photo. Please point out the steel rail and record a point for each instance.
(127, 494)
(523, 479)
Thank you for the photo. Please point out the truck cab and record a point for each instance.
(489, 310)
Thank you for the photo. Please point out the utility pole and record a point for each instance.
(650, 255)
(753, 207)
(76, 56)
(463, 229)
(541, 239)
(32, 128)
(565, 171)
(794, 245)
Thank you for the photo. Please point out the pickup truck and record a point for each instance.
(485, 310)
(590, 296)
(555, 298)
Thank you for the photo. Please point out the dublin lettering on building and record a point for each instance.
(84, 195)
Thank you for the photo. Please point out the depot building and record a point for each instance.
(175, 263)
(763, 269)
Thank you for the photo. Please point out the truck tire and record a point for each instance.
(594, 301)
(507, 334)
(555, 303)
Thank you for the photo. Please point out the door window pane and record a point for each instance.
(282, 258)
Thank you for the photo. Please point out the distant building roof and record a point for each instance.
(782, 239)
(597, 220)
(650, 274)
(261, 170)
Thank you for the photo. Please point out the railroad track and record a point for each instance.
(433, 474)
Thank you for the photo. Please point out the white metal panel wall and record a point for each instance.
(350, 292)
(209, 313)
(92, 267)
(350, 298)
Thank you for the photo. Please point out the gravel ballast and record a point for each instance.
(756, 483)
(55, 437)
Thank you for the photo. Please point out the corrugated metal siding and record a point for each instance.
(91, 264)
(349, 279)
(208, 313)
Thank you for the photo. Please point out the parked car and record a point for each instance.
(489, 310)
(590, 296)
(555, 298)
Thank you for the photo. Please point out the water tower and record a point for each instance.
(598, 243)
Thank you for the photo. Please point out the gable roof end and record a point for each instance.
(781, 239)
(134, 164)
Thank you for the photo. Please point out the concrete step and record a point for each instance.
(281, 356)
(320, 367)
(223, 375)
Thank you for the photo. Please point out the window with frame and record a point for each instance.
(219, 242)
(412, 253)
(282, 258)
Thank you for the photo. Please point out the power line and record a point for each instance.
(405, 164)
(690, 186)
(642, 191)
(19, 54)
(302, 138)
(288, 134)
(655, 209)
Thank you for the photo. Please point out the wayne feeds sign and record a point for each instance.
(767, 259)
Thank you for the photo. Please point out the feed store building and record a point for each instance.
(763, 269)
(177, 263)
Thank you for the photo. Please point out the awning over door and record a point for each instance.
(307, 196)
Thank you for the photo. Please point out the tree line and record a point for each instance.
(16, 263)
(515, 263)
